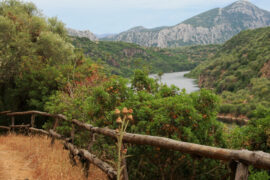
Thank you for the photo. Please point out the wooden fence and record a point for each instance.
(231, 119)
(240, 159)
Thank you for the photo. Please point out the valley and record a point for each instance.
(122, 58)
(129, 87)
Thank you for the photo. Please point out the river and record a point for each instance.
(178, 79)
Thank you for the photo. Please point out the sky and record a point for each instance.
(114, 16)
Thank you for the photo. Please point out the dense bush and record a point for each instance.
(157, 110)
(254, 136)
(36, 58)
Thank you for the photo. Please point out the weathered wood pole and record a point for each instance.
(21, 126)
(39, 131)
(54, 127)
(86, 166)
(106, 168)
(12, 122)
(241, 172)
(55, 123)
(5, 127)
(72, 133)
(258, 159)
(33, 116)
(72, 159)
(97, 162)
(233, 166)
(92, 139)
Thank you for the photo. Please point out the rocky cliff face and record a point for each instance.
(265, 71)
(87, 34)
(214, 26)
(130, 52)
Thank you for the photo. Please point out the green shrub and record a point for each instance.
(158, 110)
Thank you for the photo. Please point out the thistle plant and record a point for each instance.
(122, 126)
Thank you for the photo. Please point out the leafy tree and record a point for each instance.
(36, 58)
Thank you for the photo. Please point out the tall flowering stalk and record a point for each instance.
(122, 126)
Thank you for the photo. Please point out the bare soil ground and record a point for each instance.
(32, 158)
(13, 165)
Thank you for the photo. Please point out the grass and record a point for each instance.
(48, 163)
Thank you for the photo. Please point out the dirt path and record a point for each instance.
(13, 166)
(33, 158)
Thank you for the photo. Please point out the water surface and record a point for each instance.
(178, 79)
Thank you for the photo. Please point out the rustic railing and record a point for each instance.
(231, 119)
(240, 159)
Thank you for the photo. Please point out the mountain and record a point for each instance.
(240, 72)
(78, 33)
(211, 27)
(123, 58)
(104, 35)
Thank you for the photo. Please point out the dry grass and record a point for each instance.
(48, 163)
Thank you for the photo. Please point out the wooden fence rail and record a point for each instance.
(230, 120)
(244, 158)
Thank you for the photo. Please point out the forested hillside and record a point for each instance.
(123, 58)
(240, 71)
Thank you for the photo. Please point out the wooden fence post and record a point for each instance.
(91, 141)
(72, 133)
(72, 159)
(233, 166)
(241, 172)
(71, 155)
(33, 120)
(86, 166)
(54, 127)
(12, 122)
(85, 163)
(55, 123)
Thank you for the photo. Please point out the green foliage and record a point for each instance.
(142, 82)
(258, 130)
(258, 175)
(122, 58)
(238, 61)
(239, 72)
(35, 57)
(157, 110)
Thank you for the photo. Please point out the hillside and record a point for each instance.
(240, 71)
(123, 58)
(211, 27)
